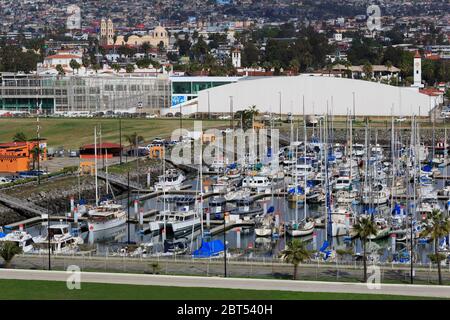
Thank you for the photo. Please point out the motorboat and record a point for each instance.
(347, 197)
(61, 240)
(182, 222)
(246, 207)
(105, 216)
(172, 179)
(21, 238)
(382, 228)
(342, 183)
(301, 229)
(217, 206)
(259, 184)
(264, 226)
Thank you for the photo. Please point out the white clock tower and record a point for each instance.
(417, 71)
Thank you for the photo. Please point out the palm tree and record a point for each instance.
(8, 250)
(36, 151)
(60, 70)
(295, 253)
(20, 137)
(115, 67)
(437, 227)
(368, 70)
(134, 140)
(74, 65)
(364, 228)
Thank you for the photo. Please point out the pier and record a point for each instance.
(22, 205)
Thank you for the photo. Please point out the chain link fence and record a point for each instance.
(267, 268)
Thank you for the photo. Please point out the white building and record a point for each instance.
(417, 71)
(320, 94)
(52, 61)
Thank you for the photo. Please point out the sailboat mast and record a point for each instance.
(96, 163)
(304, 155)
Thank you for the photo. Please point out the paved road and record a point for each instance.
(232, 283)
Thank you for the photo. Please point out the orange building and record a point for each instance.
(18, 156)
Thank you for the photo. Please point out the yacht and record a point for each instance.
(342, 222)
(157, 224)
(245, 207)
(22, 238)
(61, 240)
(217, 206)
(182, 222)
(105, 216)
(257, 183)
(171, 180)
(343, 183)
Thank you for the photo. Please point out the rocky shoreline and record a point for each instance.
(54, 195)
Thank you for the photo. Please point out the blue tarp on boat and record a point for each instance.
(209, 249)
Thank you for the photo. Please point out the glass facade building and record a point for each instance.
(83, 93)
(94, 93)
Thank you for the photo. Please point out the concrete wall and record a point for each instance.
(371, 99)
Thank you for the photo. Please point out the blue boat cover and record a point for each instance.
(2, 234)
(209, 249)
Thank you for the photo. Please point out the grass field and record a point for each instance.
(72, 133)
(39, 290)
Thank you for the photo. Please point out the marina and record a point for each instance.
(314, 189)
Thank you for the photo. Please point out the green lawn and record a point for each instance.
(38, 290)
(72, 133)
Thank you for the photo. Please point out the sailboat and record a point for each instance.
(107, 214)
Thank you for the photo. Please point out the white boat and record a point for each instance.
(347, 197)
(343, 183)
(157, 224)
(22, 238)
(182, 222)
(172, 179)
(382, 227)
(264, 226)
(341, 222)
(61, 240)
(105, 216)
(257, 183)
(302, 229)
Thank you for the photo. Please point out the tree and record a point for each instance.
(129, 68)
(368, 70)
(364, 228)
(437, 227)
(36, 152)
(134, 140)
(115, 67)
(60, 70)
(74, 65)
(8, 250)
(20, 137)
(295, 254)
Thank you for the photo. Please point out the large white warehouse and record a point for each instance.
(339, 95)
